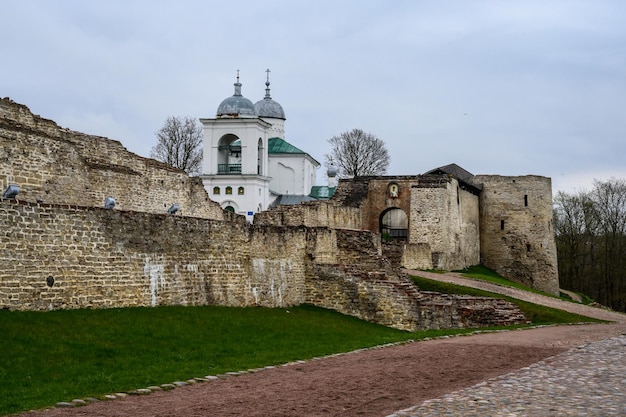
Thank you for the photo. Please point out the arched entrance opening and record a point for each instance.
(394, 224)
(230, 205)
(394, 230)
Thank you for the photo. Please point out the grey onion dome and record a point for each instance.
(237, 105)
(268, 107)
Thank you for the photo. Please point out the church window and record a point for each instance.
(229, 190)
(229, 208)
(240, 191)
(216, 190)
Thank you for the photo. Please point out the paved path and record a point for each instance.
(589, 380)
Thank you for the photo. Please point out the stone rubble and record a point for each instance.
(586, 381)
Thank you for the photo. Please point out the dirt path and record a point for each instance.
(367, 383)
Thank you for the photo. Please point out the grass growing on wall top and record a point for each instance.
(537, 314)
(483, 273)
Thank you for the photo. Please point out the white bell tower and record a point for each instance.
(235, 156)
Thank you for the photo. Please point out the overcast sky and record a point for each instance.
(497, 87)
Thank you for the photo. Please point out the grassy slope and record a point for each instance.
(61, 355)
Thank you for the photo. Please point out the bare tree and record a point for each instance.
(590, 230)
(356, 153)
(179, 144)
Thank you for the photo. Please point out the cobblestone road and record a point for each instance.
(589, 380)
(586, 381)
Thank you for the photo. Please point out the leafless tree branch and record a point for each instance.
(356, 153)
(179, 143)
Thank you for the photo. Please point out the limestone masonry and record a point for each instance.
(61, 249)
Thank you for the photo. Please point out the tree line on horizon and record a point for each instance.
(590, 230)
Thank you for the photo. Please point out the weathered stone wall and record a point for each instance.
(111, 258)
(364, 284)
(443, 227)
(443, 311)
(516, 230)
(114, 258)
(57, 257)
(279, 265)
(311, 214)
(59, 166)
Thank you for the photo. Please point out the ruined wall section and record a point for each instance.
(311, 214)
(360, 282)
(443, 227)
(59, 166)
(516, 230)
(443, 311)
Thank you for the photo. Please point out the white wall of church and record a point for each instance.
(247, 195)
(292, 174)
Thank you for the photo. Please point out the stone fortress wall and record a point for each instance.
(60, 256)
(502, 222)
(61, 249)
(59, 166)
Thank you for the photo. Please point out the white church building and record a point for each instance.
(247, 163)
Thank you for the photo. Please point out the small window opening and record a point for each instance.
(528, 247)
(525, 200)
(501, 224)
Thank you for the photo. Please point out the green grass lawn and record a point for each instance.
(54, 356)
(485, 274)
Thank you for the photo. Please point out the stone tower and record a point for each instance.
(516, 230)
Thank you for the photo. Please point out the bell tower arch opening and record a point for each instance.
(229, 155)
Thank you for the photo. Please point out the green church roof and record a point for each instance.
(322, 192)
(278, 145)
